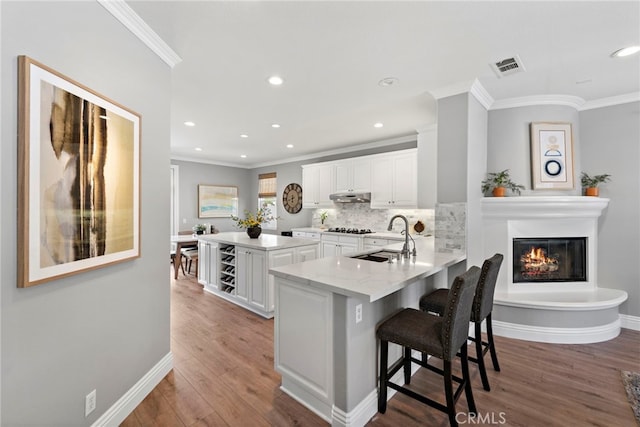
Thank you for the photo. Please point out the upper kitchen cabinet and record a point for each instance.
(317, 184)
(394, 180)
(353, 175)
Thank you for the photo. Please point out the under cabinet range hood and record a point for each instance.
(350, 197)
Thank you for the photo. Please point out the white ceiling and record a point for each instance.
(332, 55)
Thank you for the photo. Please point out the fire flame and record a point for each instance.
(536, 260)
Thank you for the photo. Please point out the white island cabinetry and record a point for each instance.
(236, 268)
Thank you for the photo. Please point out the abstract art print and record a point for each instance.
(78, 177)
(217, 201)
(552, 156)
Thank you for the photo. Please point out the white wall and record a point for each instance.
(610, 143)
(103, 329)
(509, 142)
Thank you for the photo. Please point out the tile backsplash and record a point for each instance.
(450, 227)
(360, 215)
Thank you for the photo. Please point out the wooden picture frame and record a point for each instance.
(552, 156)
(78, 177)
(217, 201)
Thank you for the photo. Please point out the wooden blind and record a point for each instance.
(267, 184)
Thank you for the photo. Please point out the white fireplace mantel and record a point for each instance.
(530, 207)
(549, 312)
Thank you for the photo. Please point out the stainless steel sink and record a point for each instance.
(380, 256)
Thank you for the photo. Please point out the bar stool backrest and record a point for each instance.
(457, 313)
(483, 303)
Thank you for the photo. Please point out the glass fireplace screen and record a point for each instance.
(550, 259)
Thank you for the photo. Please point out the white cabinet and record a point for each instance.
(333, 245)
(241, 275)
(317, 184)
(394, 181)
(208, 264)
(307, 234)
(353, 175)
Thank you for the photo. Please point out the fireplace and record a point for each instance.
(549, 259)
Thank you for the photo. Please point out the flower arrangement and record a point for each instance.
(250, 219)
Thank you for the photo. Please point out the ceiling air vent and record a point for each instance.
(508, 66)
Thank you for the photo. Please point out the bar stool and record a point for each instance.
(440, 336)
(482, 307)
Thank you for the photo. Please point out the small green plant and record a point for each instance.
(323, 217)
(500, 179)
(199, 228)
(593, 181)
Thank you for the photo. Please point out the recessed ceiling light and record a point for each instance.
(378, 125)
(275, 125)
(289, 145)
(388, 81)
(626, 51)
(198, 149)
(189, 124)
(244, 135)
(244, 156)
(275, 80)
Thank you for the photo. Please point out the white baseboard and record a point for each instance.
(630, 322)
(557, 335)
(136, 394)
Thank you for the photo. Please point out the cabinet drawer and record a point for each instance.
(377, 242)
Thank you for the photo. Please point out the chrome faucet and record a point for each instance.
(405, 247)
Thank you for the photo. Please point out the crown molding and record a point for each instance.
(452, 90)
(134, 23)
(610, 101)
(527, 101)
(481, 94)
(206, 161)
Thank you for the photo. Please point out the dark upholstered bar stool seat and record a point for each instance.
(435, 302)
(442, 337)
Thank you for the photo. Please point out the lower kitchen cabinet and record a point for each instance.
(333, 245)
(241, 274)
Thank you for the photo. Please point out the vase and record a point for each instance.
(254, 232)
(498, 192)
(591, 191)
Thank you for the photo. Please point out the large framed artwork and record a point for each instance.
(552, 156)
(78, 177)
(216, 201)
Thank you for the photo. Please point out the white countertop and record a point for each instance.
(367, 279)
(374, 235)
(266, 242)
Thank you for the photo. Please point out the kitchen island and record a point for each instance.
(326, 314)
(236, 267)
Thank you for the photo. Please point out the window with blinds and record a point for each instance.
(267, 192)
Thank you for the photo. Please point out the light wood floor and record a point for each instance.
(223, 376)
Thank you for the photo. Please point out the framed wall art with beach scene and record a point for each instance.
(78, 177)
(217, 201)
(552, 156)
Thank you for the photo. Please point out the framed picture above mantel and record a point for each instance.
(78, 177)
(552, 156)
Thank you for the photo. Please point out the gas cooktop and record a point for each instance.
(350, 230)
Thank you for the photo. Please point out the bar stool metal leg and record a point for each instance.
(382, 390)
(492, 347)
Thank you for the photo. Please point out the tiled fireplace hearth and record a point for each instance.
(548, 287)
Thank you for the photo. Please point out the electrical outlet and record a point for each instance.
(358, 313)
(89, 403)
(184, 220)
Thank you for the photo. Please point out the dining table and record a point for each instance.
(181, 241)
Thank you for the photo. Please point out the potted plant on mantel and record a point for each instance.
(252, 222)
(499, 182)
(590, 183)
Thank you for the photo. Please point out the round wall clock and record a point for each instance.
(292, 198)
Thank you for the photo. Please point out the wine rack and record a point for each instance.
(227, 269)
